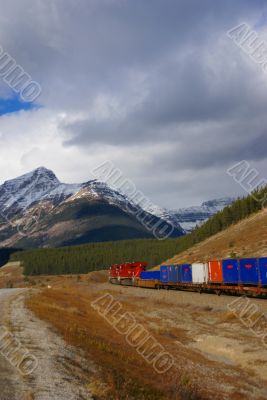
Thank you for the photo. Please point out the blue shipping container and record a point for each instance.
(173, 273)
(230, 271)
(263, 270)
(164, 276)
(150, 275)
(179, 272)
(248, 271)
(186, 273)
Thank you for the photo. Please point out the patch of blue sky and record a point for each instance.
(15, 104)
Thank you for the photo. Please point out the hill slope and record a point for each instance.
(247, 238)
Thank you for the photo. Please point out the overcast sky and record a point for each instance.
(155, 86)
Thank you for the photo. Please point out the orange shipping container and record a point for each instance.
(215, 271)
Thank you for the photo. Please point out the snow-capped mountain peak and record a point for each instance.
(38, 175)
(42, 185)
(21, 192)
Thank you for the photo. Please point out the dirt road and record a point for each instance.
(61, 373)
(10, 383)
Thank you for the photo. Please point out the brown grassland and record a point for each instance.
(123, 374)
(215, 356)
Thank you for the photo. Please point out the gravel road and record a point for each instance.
(62, 372)
(10, 382)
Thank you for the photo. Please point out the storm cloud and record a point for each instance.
(156, 87)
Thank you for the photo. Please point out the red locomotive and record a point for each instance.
(126, 273)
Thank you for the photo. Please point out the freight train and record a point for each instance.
(245, 276)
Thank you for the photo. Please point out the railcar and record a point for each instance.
(126, 273)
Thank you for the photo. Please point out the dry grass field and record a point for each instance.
(215, 356)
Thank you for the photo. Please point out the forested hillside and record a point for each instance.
(95, 256)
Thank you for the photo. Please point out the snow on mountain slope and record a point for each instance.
(40, 191)
(188, 218)
(19, 193)
(37, 210)
(61, 192)
(164, 214)
(42, 186)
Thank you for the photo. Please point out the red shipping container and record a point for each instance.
(215, 271)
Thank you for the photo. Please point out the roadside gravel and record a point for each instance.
(62, 371)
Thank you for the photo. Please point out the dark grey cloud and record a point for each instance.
(79, 48)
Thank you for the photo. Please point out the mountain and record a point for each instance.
(188, 218)
(37, 210)
(233, 241)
